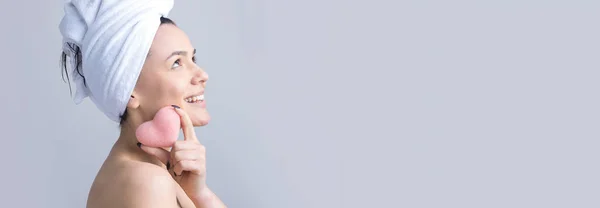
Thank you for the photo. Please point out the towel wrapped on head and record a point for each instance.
(114, 37)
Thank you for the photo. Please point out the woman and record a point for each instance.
(104, 41)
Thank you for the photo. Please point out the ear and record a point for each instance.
(133, 102)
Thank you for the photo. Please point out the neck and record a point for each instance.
(127, 137)
(126, 144)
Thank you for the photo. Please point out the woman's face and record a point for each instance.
(170, 76)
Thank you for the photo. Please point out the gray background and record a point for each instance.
(322, 103)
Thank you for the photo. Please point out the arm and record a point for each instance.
(207, 199)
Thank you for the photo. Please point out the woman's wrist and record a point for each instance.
(207, 198)
(202, 195)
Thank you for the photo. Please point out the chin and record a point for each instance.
(200, 118)
(200, 122)
(197, 113)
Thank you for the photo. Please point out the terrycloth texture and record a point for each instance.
(114, 37)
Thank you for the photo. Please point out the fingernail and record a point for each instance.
(175, 106)
(168, 165)
(139, 144)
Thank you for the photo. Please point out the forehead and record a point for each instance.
(169, 38)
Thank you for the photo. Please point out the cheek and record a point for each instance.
(173, 92)
(164, 92)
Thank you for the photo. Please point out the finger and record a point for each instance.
(186, 155)
(187, 126)
(193, 166)
(185, 145)
(160, 153)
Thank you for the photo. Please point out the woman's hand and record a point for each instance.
(186, 161)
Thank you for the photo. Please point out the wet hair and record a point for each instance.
(74, 49)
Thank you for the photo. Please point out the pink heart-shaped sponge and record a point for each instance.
(162, 130)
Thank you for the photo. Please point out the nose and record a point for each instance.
(200, 76)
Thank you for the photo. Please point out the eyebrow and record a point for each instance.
(175, 53)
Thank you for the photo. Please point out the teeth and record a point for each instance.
(194, 99)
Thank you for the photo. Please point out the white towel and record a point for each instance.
(114, 37)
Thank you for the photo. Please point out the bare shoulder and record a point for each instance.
(133, 184)
(147, 185)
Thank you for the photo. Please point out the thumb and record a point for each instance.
(160, 153)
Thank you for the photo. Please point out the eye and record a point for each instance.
(176, 64)
(194, 59)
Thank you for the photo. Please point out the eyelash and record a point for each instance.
(178, 61)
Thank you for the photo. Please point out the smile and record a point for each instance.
(195, 99)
